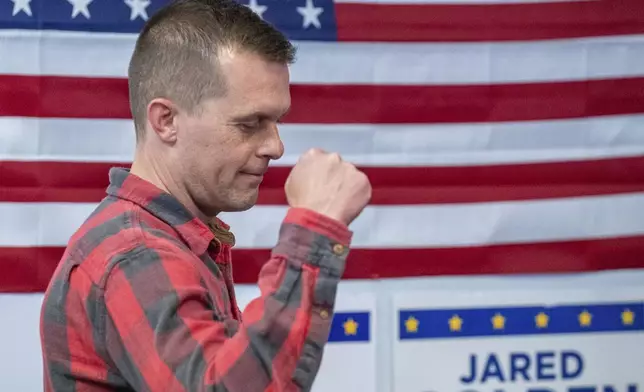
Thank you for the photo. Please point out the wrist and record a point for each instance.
(320, 223)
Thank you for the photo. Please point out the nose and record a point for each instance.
(272, 147)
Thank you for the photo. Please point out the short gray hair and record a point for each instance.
(176, 52)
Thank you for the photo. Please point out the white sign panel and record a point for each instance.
(523, 341)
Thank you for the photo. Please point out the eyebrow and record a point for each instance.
(259, 114)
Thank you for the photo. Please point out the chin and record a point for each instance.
(242, 203)
(238, 207)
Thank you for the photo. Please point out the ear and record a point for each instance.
(162, 115)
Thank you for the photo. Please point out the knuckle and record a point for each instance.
(349, 167)
(314, 151)
(365, 180)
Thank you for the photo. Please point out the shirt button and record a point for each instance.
(338, 249)
(324, 314)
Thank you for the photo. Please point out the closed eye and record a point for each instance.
(248, 126)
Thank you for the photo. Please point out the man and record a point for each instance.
(143, 298)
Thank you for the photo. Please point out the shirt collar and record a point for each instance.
(197, 234)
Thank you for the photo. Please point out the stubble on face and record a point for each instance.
(226, 146)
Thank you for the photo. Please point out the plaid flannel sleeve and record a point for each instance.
(163, 334)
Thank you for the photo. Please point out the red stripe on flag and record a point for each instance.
(488, 22)
(29, 269)
(86, 182)
(62, 96)
(68, 97)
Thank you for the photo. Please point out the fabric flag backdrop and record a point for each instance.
(501, 136)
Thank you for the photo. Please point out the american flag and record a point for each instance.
(501, 136)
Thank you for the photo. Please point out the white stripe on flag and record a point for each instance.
(74, 140)
(51, 224)
(108, 55)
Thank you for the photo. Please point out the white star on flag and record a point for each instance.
(21, 5)
(311, 14)
(138, 8)
(80, 7)
(258, 9)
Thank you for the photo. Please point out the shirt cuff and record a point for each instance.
(321, 224)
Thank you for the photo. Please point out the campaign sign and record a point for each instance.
(520, 341)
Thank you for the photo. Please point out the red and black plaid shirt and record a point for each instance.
(143, 300)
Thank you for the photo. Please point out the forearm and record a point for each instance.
(290, 323)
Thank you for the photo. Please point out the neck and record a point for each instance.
(146, 167)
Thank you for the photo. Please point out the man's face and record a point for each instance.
(226, 147)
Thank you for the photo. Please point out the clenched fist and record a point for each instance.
(324, 183)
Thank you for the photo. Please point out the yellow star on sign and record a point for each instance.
(498, 321)
(411, 325)
(585, 318)
(628, 317)
(455, 323)
(350, 327)
(542, 320)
